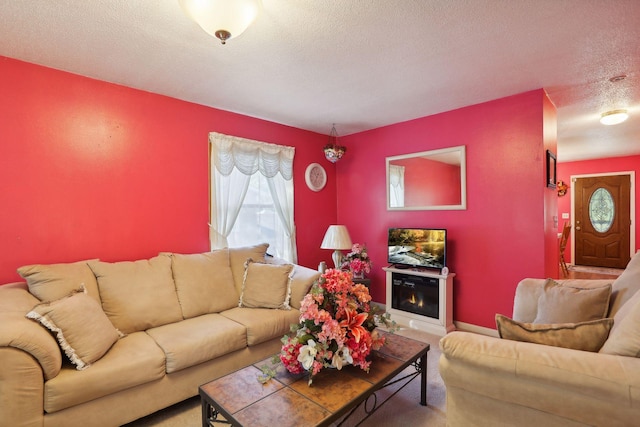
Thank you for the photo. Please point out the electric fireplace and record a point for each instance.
(415, 294)
(420, 299)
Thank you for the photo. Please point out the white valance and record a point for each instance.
(250, 156)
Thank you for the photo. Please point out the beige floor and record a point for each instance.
(403, 410)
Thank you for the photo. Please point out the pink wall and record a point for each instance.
(550, 204)
(502, 236)
(600, 166)
(419, 170)
(93, 169)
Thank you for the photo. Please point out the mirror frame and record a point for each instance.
(461, 149)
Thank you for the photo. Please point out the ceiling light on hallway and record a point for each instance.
(224, 19)
(614, 117)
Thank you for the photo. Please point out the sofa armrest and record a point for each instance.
(573, 384)
(301, 282)
(18, 332)
(525, 302)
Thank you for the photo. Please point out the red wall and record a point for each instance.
(92, 169)
(586, 167)
(502, 236)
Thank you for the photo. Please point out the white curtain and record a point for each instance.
(396, 186)
(233, 161)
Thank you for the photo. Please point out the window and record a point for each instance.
(601, 210)
(251, 186)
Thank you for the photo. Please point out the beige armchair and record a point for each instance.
(498, 382)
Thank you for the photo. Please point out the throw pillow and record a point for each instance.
(587, 336)
(624, 339)
(138, 295)
(84, 332)
(239, 256)
(568, 304)
(204, 282)
(49, 282)
(266, 285)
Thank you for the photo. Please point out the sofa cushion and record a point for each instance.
(83, 331)
(50, 282)
(624, 339)
(133, 360)
(238, 257)
(266, 285)
(138, 295)
(587, 336)
(204, 282)
(199, 339)
(263, 324)
(567, 304)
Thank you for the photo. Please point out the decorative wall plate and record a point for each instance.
(315, 176)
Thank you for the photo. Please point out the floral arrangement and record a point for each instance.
(357, 261)
(337, 327)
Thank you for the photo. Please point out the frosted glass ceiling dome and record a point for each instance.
(224, 19)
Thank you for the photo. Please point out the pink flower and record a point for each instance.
(289, 357)
(357, 260)
(336, 325)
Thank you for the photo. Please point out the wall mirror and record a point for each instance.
(429, 180)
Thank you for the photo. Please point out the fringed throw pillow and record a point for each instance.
(266, 285)
(83, 330)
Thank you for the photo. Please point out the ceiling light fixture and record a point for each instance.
(614, 117)
(333, 151)
(224, 19)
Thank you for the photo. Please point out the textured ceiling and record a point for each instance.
(359, 64)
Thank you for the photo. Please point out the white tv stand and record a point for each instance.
(440, 325)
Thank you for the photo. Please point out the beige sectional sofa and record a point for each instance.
(499, 382)
(142, 335)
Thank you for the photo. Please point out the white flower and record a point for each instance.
(308, 354)
(341, 357)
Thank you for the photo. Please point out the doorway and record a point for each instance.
(603, 209)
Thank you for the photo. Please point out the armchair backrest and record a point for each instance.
(625, 286)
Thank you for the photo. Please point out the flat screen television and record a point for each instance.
(418, 247)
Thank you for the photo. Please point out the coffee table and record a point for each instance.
(239, 399)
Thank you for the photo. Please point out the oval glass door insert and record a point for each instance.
(601, 210)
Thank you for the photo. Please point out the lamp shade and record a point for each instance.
(336, 237)
(224, 19)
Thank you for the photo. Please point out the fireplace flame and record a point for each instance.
(414, 301)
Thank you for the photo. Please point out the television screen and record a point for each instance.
(418, 247)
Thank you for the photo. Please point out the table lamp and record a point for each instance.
(336, 238)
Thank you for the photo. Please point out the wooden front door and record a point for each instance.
(602, 221)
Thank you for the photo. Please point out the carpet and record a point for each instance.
(402, 410)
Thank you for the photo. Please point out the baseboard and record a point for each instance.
(460, 326)
(468, 327)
